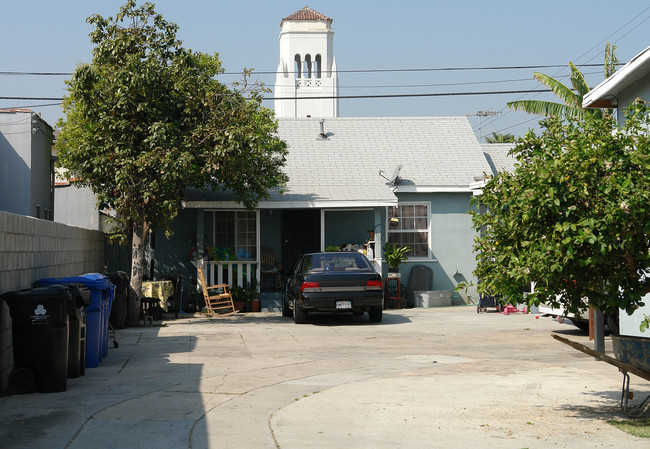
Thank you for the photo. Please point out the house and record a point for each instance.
(408, 179)
(26, 165)
(630, 82)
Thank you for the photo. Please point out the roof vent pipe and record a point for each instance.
(322, 134)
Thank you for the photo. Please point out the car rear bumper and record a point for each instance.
(323, 303)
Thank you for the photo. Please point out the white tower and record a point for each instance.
(307, 67)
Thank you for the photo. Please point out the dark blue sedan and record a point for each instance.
(333, 282)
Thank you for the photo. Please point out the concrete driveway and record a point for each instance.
(422, 378)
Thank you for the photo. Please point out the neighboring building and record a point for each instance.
(26, 164)
(623, 87)
(632, 81)
(307, 68)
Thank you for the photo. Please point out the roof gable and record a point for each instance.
(604, 95)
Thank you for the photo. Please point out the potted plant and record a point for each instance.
(239, 297)
(395, 255)
(255, 304)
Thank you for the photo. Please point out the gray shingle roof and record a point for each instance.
(497, 156)
(435, 152)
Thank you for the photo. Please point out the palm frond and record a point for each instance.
(578, 82)
(540, 107)
(610, 60)
(563, 92)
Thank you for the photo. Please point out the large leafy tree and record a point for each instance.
(573, 217)
(147, 118)
(571, 97)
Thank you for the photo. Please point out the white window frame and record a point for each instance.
(390, 231)
(236, 212)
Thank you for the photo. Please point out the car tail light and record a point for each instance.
(309, 287)
(374, 285)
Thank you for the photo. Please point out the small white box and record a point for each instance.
(433, 298)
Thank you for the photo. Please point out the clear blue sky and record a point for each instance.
(49, 36)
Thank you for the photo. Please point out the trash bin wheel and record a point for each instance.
(21, 380)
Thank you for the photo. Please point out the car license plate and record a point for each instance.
(343, 304)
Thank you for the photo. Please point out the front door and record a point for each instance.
(300, 234)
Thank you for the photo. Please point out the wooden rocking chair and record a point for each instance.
(220, 303)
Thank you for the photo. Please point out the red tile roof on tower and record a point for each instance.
(307, 13)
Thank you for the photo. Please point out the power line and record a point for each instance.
(490, 121)
(431, 69)
(345, 97)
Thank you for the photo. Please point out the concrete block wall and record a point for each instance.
(32, 249)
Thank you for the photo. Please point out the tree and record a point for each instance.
(572, 98)
(147, 119)
(573, 217)
(500, 138)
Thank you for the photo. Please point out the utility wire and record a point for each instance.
(494, 119)
(345, 97)
(433, 69)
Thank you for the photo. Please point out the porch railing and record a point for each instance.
(234, 272)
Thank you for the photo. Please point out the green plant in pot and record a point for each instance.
(395, 255)
(255, 304)
(240, 297)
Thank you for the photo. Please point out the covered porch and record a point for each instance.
(257, 248)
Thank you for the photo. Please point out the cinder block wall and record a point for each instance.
(32, 249)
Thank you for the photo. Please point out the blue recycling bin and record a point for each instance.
(97, 314)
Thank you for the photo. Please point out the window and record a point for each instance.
(296, 68)
(317, 67)
(307, 66)
(408, 225)
(236, 235)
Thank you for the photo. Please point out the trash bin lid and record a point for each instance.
(80, 294)
(93, 281)
(56, 291)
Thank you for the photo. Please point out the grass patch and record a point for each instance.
(637, 427)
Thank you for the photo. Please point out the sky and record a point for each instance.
(375, 44)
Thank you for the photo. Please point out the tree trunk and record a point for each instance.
(140, 231)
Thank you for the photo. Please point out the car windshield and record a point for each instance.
(335, 262)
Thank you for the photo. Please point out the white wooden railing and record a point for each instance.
(233, 272)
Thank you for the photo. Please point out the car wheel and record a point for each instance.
(375, 314)
(299, 315)
(286, 311)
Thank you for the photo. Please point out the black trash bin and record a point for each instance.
(40, 338)
(118, 310)
(77, 329)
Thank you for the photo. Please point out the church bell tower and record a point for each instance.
(306, 82)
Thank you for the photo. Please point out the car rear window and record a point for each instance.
(335, 262)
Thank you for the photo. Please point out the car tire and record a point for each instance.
(375, 314)
(286, 311)
(299, 315)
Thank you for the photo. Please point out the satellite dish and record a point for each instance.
(395, 179)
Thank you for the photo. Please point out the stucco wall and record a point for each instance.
(25, 151)
(31, 249)
(15, 162)
(76, 206)
(640, 89)
(452, 238)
